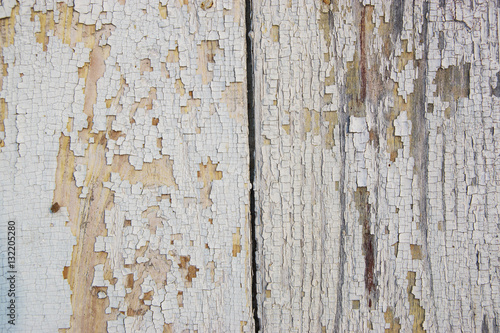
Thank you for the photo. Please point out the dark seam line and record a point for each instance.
(251, 146)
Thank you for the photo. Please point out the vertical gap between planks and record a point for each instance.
(252, 170)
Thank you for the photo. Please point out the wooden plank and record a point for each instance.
(125, 156)
(377, 187)
(124, 165)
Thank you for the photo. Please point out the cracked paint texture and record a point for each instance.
(377, 127)
(124, 162)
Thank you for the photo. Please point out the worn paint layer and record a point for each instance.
(377, 135)
(124, 162)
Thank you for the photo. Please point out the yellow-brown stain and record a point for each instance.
(332, 118)
(275, 33)
(145, 66)
(7, 27)
(207, 50)
(311, 122)
(175, 237)
(373, 137)
(115, 135)
(390, 319)
(65, 272)
(83, 72)
(95, 72)
(287, 130)
(416, 251)
(356, 304)
(236, 242)
(394, 142)
(324, 25)
(180, 299)
(168, 328)
(206, 4)
(235, 12)
(7, 33)
(416, 309)
(162, 10)
(86, 223)
(179, 87)
(173, 56)
(187, 271)
(441, 226)
(3, 114)
(329, 81)
(164, 70)
(353, 89)
(207, 174)
(135, 299)
(211, 267)
(235, 98)
(67, 29)
(129, 281)
(191, 103)
(157, 173)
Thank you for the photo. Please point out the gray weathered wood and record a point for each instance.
(378, 129)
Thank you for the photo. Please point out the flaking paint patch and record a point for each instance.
(236, 242)
(453, 83)
(208, 173)
(7, 28)
(121, 154)
(416, 309)
(163, 10)
(391, 320)
(207, 53)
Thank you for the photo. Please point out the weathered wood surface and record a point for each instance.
(377, 127)
(124, 163)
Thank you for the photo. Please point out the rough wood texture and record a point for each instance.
(124, 163)
(377, 165)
